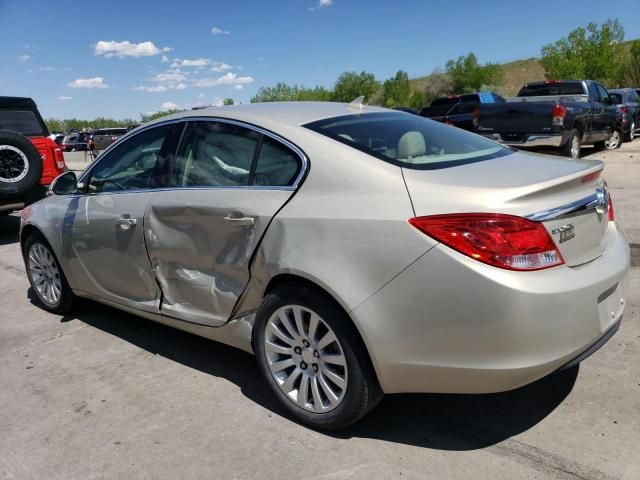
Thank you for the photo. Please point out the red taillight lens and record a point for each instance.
(59, 156)
(611, 214)
(558, 112)
(624, 109)
(504, 241)
(474, 115)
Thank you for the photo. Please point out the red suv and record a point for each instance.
(29, 159)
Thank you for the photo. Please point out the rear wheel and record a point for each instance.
(46, 276)
(572, 146)
(313, 359)
(632, 132)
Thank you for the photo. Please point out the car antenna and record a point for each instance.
(357, 103)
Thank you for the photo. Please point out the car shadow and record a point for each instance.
(435, 421)
(9, 229)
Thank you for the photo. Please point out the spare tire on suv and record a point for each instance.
(20, 165)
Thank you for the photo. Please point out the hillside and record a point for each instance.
(516, 74)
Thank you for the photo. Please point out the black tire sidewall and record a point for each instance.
(67, 297)
(362, 388)
(11, 190)
(566, 150)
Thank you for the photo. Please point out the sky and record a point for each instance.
(119, 59)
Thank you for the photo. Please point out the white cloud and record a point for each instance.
(169, 106)
(201, 95)
(151, 89)
(127, 49)
(220, 67)
(64, 97)
(95, 82)
(180, 86)
(226, 79)
(167, 77)
(196, 62)
(164, 59)
(46, 69)
(24, 57)
(322, 4)
(219, 31)
(238, 87)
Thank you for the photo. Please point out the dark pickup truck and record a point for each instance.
(564, 114)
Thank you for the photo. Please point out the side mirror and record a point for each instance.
(64, 184)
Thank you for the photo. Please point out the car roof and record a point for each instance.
(283, 113)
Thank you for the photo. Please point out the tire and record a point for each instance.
(45, 274)
(20, 165)
(572, 146)
(614, 142)
(632, 130)
(315, 363)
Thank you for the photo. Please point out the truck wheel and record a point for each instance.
(20, 165)
(614, 141)
(571, 147)
(632, 132)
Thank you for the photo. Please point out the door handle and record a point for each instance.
(126, 223)
(239, 220)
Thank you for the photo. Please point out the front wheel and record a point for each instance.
(46, 276)
(313, 359)
(614, 141)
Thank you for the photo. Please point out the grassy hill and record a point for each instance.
(516, 74)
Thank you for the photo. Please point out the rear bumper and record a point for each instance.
(20, 201)
(529, 140)
(451, 324)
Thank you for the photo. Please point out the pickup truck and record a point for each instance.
(460, 110)
(29, 159)
(564, 114)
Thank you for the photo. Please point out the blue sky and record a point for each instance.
(121, 59)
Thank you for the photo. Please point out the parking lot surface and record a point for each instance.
(104, 394)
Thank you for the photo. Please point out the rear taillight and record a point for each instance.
(504, 241)
(558, 112)
(611, 214)
(624, 109)
(59, 157)
(475, 115)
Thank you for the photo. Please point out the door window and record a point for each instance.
(277, 164)
(214, 154)
(131, 165)
(603, 94)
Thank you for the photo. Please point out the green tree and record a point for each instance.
(228, 101)
(631, 71)
(396, 91)
(281, 92)
(595, 53)
(468, 75)
(316, 94)
(418, 100)
(147, 117)
(351, 85)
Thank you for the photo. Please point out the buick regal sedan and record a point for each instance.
(355, 250)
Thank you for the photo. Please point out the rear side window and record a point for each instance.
(22, 121)
(616, 98)
(409, 141)
(277, 164)
(551, 88)
(214, 154)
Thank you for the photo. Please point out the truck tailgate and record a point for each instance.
(516, 117)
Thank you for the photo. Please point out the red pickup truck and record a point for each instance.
(29, 159)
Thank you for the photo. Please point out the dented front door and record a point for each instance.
(200, 242)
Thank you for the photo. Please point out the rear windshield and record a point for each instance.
(408, 140)
(553, 88)
(22, 121)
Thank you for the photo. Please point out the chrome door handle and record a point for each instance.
(239, 220)
(126, 223)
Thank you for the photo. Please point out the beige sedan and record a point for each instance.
(355, 250)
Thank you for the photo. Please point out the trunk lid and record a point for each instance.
(561, 193)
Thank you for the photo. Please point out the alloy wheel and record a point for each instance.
(14, 165)
(575, 147)
(613, 141)
(305, 359)
(44, 274)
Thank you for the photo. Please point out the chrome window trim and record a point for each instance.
(297, 150)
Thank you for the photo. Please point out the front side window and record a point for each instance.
(130, 165)
(408, 140)
(603, 94)
(214, 154)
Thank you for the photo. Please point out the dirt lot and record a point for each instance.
(103, 394)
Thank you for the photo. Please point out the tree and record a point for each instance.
(468, 75)
(438, 84)
(396, 91)
(147, 117)
(228, 101)
(351, 85)
(280, 93)
(631, 72)
(595, 53)
(418, 100)
(316, 94)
